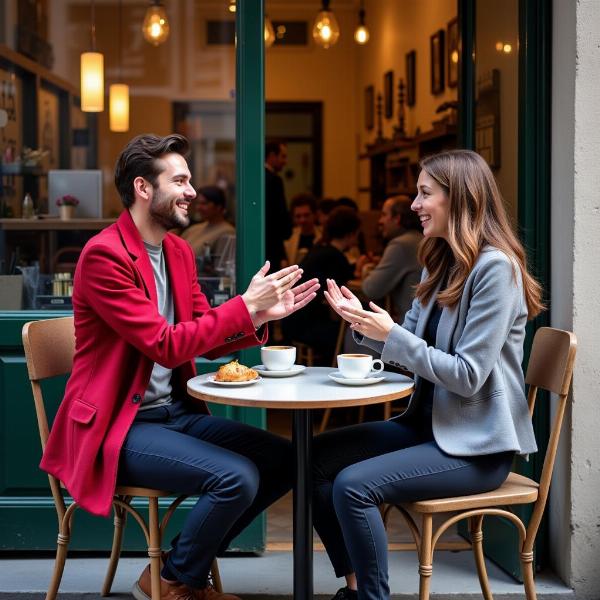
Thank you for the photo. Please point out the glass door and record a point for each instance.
(505, 108)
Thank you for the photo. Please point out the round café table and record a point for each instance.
(310, 389)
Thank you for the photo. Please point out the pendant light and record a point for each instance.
(92, 74)
(269, 32)
(326, 30)
(119, 93)
(361, 35)
(156, 25)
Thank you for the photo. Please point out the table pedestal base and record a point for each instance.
(303, 534)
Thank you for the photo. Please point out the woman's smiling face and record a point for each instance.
(432, 205)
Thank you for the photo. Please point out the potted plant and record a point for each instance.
(66, 206)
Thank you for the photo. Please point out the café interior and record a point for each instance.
(357, 91)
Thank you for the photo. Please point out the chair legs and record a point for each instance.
(119, 521)
(154, 546)
(425, 557)
(527, 570)
(475, 524)
(64, 536)
(216, 576)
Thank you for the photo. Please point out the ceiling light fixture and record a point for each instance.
(326, 30)
(119, 93)
(92, 73)
(156, 25)
(361, 34)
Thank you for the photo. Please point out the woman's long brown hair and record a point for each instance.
(476, 218)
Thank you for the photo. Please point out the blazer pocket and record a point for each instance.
(82, 412)
(479, 398)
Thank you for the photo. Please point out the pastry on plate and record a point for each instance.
(233, 371)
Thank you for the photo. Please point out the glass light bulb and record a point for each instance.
(232, 7)
(361, 35)
(326, 30)
(269, 32)
(119, 107)
(156, 25)
(92, 82)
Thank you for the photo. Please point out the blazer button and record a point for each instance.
(136, 399)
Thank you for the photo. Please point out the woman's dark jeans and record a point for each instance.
(360, 467)
(236, 470)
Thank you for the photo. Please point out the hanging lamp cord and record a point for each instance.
(93, 7)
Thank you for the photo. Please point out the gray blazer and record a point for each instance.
(479, 404)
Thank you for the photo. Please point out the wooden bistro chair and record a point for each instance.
(49, 348)
(550, 368)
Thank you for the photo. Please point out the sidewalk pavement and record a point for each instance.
(269, 577)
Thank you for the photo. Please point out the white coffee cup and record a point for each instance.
(358, 366)
(278, 358)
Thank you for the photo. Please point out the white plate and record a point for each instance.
(369, 380)
(262, 370)
(211, 379)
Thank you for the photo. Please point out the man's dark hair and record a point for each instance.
(326, 205)
(213, 194)
(304, 199)
(400, 207)
(341, 221)
(347, 201)
(273, 147)
(139, 159)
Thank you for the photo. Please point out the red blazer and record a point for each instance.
(119, 335)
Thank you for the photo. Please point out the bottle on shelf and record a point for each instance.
(27, 211)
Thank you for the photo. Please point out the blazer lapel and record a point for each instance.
(178, 278)
(132, 240)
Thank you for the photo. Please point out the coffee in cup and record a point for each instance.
(278, 358)
(358, 366)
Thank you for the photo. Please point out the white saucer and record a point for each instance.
(289, 373)
(369, 380)
(211, 379)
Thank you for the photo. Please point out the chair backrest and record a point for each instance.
(550, 368)
(49, 349)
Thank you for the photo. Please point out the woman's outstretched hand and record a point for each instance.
(375, 325)
(340, 298)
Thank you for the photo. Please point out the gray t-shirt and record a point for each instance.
(159, 388)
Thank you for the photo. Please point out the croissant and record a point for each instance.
(233, 371)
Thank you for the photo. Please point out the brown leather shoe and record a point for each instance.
(209, 593)
(142, 589)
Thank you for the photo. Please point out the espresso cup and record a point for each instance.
(278, 358)
(358, 366)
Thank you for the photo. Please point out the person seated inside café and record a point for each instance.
(398, 271)
(213, 229)
(324, 207)
(317, 325)
(360, 247)
(305, 232)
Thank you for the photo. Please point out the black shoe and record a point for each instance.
(345, 593)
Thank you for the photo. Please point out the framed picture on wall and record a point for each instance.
(453, 56)
(411, 85)
(437, 62)
(388, 94)
(369, 107)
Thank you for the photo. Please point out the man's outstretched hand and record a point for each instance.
(291, 301)
(271, 297)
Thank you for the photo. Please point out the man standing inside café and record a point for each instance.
(140, 321)
(278, 226)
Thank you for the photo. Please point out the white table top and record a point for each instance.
(310, 389)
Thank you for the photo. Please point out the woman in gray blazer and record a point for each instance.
(463, 340)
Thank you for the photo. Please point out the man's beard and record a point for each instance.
(163, 211)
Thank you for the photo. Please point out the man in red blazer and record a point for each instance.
(140, 320)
